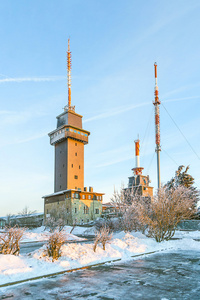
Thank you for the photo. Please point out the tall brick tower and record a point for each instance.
(69, 139)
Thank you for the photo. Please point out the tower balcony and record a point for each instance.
(63, 133)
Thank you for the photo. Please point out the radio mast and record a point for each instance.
(157, 126)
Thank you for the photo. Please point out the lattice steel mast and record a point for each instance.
(69, 65)
(157, 126)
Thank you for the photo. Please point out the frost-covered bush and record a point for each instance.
(158, 217)
(103, 236)
(165, 211)
(9, 240)
(55, 241)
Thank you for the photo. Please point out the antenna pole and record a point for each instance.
(137, 170)
(69, 64)
(157, 126)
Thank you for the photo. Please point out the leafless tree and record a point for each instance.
(125, 202)
(10, 219)
(103, 236)
(9, 240)
(26, 212)
(57, 218)
(54, 243)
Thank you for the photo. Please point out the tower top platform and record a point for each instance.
(69, 117)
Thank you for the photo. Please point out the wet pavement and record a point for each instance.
(174, 275)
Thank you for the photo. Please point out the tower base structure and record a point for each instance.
(77, 207)
(139, 184)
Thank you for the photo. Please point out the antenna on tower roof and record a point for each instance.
(69, 65)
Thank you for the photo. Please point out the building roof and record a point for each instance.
(65, 191)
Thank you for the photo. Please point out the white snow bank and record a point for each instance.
(122, 246)
(10, 264)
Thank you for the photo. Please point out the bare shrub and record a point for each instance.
(157, 217)
(9, 240)
(54, 243)
(161, 216)
(166, 210)
(103, 236)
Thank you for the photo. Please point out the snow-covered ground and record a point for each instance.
(122, 246)
(40, 234)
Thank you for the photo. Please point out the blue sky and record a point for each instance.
(114, 46)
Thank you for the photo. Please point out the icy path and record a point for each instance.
(171, 275)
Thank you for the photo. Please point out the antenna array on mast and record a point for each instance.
(69, 65)
(157, 126)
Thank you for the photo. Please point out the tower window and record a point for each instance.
(60, 186)
(75, 177)
(72, 165)
(75, 153)
(63, 166)
(79, 166)
(75, 144)
(96, 211)
(75, 210)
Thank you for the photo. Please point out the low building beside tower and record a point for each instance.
(139, 183)
(80, 204)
